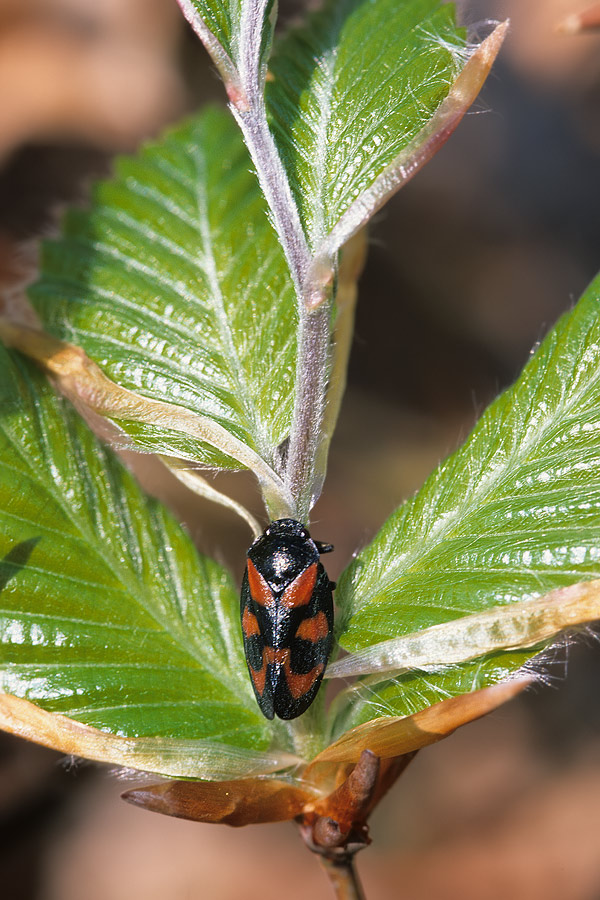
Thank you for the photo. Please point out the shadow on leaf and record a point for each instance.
(15, 560)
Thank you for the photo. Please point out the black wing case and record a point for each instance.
(254, 649)
(299, 675)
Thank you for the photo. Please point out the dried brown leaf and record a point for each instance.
(390, 737)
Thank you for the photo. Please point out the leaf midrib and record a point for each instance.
(327, 86)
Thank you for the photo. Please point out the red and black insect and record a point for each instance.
(287, 618)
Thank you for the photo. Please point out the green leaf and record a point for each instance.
(107, 614)
(409, 692)
(221, 17)
(237, 34)
(510, 516)
(176, 286)
(351, 90)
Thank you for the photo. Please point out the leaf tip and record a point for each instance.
(480, 62)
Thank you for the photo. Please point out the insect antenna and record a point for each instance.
(323, 548)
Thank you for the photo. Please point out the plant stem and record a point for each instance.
(275, 186)
(343, 877)
(314, 341)
(244, 77)
(314, 336)
(252, 120)
(313, 325)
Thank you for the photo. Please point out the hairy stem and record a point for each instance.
(252, 120)
(313, 325)
(343, 877)
(311, 381)
(246, 93)
(274, 184)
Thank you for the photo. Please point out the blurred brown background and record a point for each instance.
(469, 266)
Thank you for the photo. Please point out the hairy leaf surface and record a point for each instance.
(511, 515)
(176, 285)
(351, 90)
(107, 613)
(230, 29)
(221, 18)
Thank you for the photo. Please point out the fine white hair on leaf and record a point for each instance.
(369, 696)
(197, 759)
(479, 31)
(460, 51)
(550, 667)
(73, 763)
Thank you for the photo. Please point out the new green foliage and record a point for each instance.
(513, 514)
(229, 26)
(176, 285)
(107, 613)
(351, 89)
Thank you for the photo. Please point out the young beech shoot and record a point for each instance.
(202, 310)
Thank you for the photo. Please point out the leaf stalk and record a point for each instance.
(314, 337)
(314, 345)
(275, 186)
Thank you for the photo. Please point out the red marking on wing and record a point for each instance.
(298, 684)
(250, 624)
(314, 629)
(271, 657)
(259, 676)
(301, 684)
(259, 589)
(299, 592)
(274, 656)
